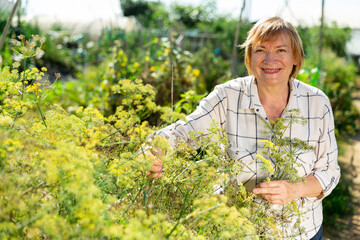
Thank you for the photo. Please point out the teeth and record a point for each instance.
(271, 70)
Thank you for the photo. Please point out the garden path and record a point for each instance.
(351, 162)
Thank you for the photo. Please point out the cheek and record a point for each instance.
(255, 61)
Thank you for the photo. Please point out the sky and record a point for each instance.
(344, 12)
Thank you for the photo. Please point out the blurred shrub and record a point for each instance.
(213, 68)
(334, 38)
(224, 28)
(158, 69)
(340, 203)
(191, 16)
(148, 13)
(339, 86)
(337, 81)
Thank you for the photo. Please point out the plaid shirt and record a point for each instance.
(235, 105)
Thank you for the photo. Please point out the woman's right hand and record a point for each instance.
(156, 168)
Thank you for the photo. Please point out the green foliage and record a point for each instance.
(56, 54)
(157, 69)
(148, 13)
(188, 103)
(133, 8)
(213, 68)
(170, 65)
(224, 28)
(335, 38)
(340, 203)
(338, 85)
(190, 16)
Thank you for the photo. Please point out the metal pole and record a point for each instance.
(8, 24)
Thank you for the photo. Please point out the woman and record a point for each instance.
(273, 57)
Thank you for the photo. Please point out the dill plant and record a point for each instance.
(84, 175)
(283, 150)
(29, 83)
(278, 157)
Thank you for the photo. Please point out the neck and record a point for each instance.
(274, 100)
(277, 94)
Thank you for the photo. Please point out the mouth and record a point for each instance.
(271, 70)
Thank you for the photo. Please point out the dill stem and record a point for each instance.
(41, 113)
(22, 92)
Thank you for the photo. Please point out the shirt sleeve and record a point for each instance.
(326, 168)
(211, 109)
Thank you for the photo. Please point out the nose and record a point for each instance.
(270, 57)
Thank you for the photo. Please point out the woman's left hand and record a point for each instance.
(277, 192)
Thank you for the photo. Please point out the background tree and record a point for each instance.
(148, 13)
(190, 16)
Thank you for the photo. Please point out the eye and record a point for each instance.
(282, 50)
(259, 50)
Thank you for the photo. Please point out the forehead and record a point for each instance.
(278, 39)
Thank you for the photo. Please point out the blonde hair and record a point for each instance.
(267, 30)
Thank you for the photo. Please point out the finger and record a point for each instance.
(266, 190)
(271, 184)
(157, 175)
(277, 202)
(273, 199)
(155, 168)
(154, 175)
(158, 163)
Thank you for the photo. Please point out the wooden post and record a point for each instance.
(8, 24)
(236, 41)
(321, 34)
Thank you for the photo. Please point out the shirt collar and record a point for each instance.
(294, 95)
(255, 100)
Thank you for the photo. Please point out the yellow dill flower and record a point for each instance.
(268, 144)
(152, 69)
(167, 51)
(16, 64)
(196, 72)
(2, 153)
(267, 163)
(147, 58)
(5, 121)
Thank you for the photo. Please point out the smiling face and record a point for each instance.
(272, 61)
